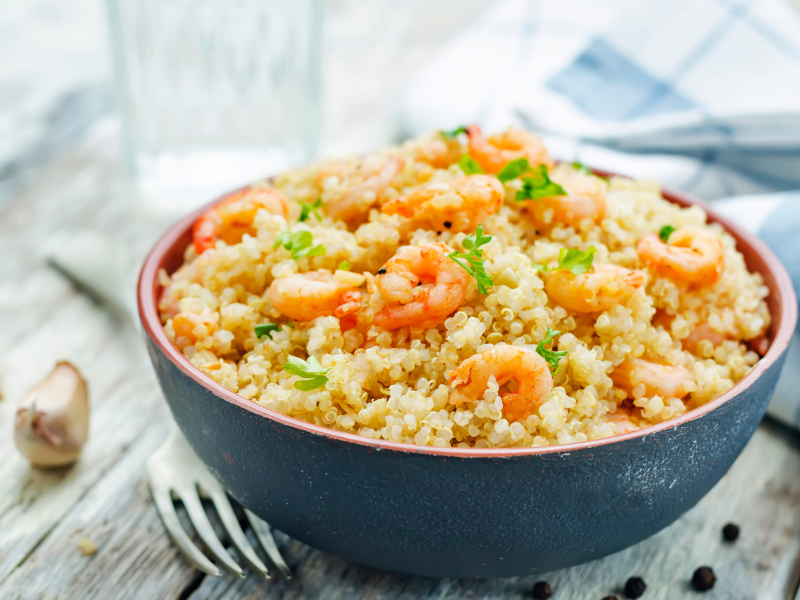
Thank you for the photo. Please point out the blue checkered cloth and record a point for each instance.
(702, 95)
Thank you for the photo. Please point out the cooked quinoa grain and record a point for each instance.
(652, 342)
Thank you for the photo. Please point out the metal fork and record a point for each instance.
(98, 264)
(176, 473)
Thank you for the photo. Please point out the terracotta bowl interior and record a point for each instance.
(168, 254)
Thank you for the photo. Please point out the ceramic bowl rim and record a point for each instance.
(782, 334)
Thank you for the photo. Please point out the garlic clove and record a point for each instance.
(52, 422)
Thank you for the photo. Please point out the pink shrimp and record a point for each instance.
(421, 287)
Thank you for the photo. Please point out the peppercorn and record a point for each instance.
(635, 587)
(448, 224)
(542, 590)
(382, 271)
(730, 532)
(703, 579)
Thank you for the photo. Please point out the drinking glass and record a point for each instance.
(215, 93)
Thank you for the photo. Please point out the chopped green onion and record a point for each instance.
(311, 371)
(454, 132)
(474, 258)
(514, 169)
(575, 260)
(469, 165)
(267, 329)
(552, 357)
(539, 185)
(344, 266)
(299, 243)
(665, 232)
(309, 209)
(578, 166)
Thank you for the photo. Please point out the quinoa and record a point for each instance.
(392, 385)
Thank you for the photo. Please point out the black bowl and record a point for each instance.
(461, 512)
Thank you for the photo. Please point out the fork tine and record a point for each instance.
(264, 535)
(231, 524)
(166, 509)
(199, 519)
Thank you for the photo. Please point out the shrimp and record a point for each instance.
(356, 201)
(702, 331)
(621, 418)
(601, 289)
(233, 217)
(457, 205)
(526, 367)
(421, 287)
(437, 151)
(668, 381)
(496, 151)
(692, 255)
(306, 296)
(193, 272)
(585, 199)
(193, 326)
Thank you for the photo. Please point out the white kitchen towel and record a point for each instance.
(717, 81)
(702, 95)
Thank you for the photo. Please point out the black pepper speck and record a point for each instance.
(635, 587)
(542, 590)
(730, 532)
(448, 224)
(382, 271)
(703, 579)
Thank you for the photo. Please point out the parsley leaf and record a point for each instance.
(539, 185)
(542, 267)
(267, 329)
(344, 266)
(311, 371)
(475, 258)
(469, 165)
(579, 166)
(552, 357)
(576, 261)
(514, 169)
(455, 132)
(665, 232)
(309, 209)
(299, 243)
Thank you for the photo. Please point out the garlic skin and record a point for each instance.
(52, 422)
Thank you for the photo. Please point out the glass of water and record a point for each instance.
(215, 93)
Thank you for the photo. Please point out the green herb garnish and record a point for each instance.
(514, 169)
(344, 266)
(574, 260)
(299, 243)
(311, 371)
(475, 258)
(455, 132)
(542, 268)
(267, 329)
(311, 208)
(665, 232)
(579, 166)
(469, 165)
(539, 185)
(552, 357)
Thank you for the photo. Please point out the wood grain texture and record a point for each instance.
(104, 498)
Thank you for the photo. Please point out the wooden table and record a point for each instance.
(74, 181)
